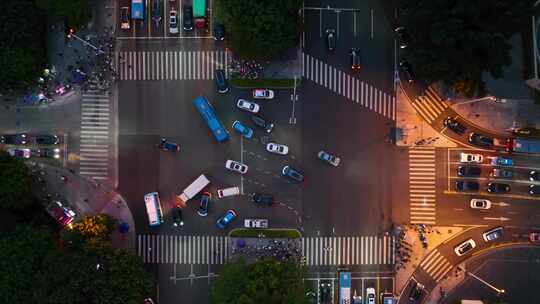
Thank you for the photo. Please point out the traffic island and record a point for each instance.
(259, 244)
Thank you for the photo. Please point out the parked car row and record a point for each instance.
(27, 153)
(25, 139)
(502, 171)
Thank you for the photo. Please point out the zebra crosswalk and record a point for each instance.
(349, 86)
(95, 141)
(197, 249)
(354, 250)
(436, 265)
(422, 185)
(170, 65)
(430, 105)
(182, 249)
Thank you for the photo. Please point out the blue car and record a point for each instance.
(242, 129)
(502, 161)
(166, 145)
(229, 216)
(293, 174)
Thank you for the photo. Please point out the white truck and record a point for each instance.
(256, 223)
(190, 191)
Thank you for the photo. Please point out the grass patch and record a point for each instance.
(268, 233)
(265, 83)
(536, 96)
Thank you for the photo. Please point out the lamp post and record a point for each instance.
(72, 34)
(489, 98)
(499, 291)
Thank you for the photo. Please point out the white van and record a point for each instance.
(221, 193)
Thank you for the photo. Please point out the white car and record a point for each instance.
(263, 94)
(479, 203)
(471, 158)
(124, 18)
(236, 166)
(248, 106)
(20, 153)
(277, 148)
(370, 295)
(256, 223)
(173, 22)
(465, 247)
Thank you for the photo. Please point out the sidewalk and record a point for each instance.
(413, 128)
(88, 197)
(418, 253)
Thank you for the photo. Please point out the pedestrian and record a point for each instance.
(130, 66)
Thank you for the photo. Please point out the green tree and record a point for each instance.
(96, 227)
(34, 268)
(15, 184)
(22, 52)
(75, 13)
(455, 41)
(263, 282)
(24, 255)
(260, 29)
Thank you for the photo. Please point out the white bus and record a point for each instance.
(153, 208)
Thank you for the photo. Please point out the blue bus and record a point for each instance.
(344, 288)
(137, 9)
(207, 112)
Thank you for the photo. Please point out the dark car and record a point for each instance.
(48, 152)
(187, 13)
(325, 291)
(47, 139)
(331, 39)
(292, 174)
(454, 125)
(462, 186)
(221, 81)
(480, 140)
(498, 188)
(403, 37)
(13, 139)
(356, 58)
(205, 201)
(406, 70)
(416, 292)
(263, 199)
(166, 145)
(534, 189)
(177, 217)
(219, 31)
(468, 171)
(263, 123)
(534, 175)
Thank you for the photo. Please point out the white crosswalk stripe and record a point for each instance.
(95, 137)
(353, 250)
(436, 265)
(170, 65)
(182, 249)
(349, 86)
(422, 185)
(430, 105)
(191, 249)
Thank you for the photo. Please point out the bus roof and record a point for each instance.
(199, 8)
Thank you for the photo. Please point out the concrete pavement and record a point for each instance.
(88, 197)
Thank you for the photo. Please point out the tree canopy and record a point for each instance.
(35, 269)
(15, 184)
(455, 41)
(75, 13)
(263, 282)
(260, 29)
(22, 52)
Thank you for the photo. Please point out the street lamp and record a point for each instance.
(72, 34)
(499, 291)
(489, 98)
